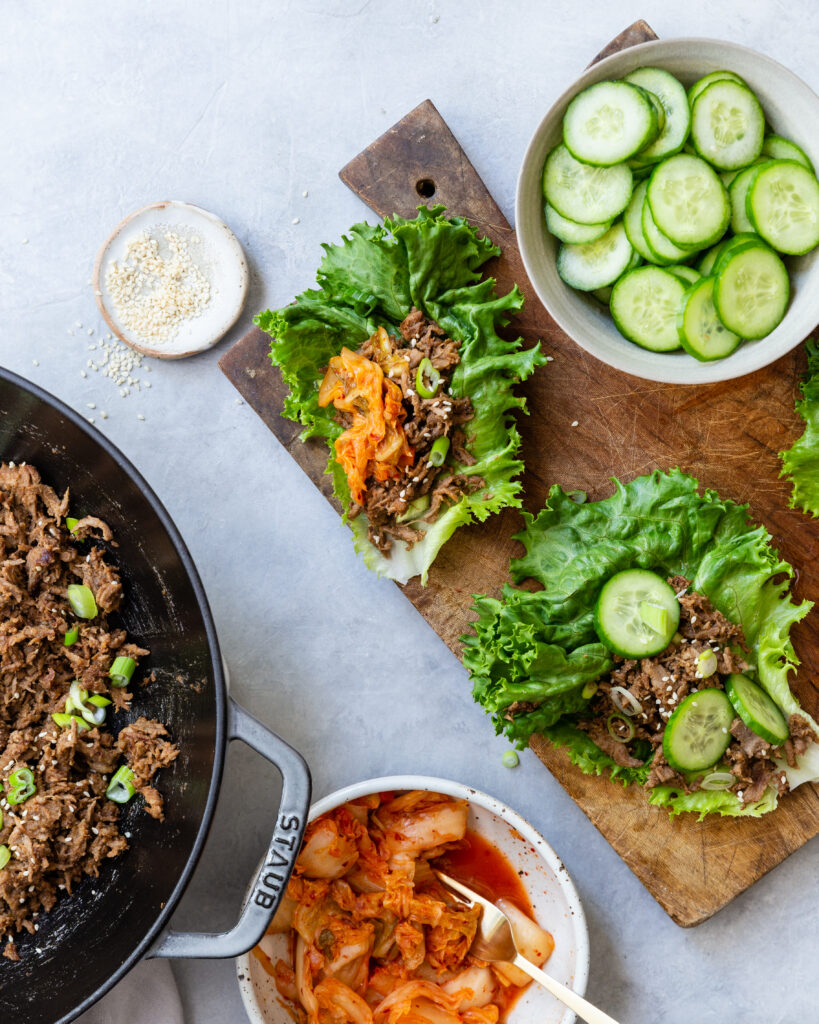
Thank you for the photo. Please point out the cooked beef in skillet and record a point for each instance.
(68, 827)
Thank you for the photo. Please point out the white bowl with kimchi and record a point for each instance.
(367, 934)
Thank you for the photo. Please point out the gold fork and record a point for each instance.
(495, 942)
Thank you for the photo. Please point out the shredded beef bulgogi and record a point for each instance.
(658, 684)
(424, 421)
(68, 827)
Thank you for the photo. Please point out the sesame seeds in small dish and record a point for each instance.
(171, 280)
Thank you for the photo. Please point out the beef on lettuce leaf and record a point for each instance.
(532, 653)
(373, 279)
(800, 462)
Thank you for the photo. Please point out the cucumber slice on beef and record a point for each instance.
(672, 98)
(751, 291)
(783, 206)
(699, 730)
(609, 122)
(645, 304)
(688, 202)
(569, 230)
(636, 614)
(727, 125)
(582, 193)
(756, 709)
(702, 333)
(596, 264)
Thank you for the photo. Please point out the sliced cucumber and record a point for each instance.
(644, 306)
(633, 223)
(727, 125)
(674, 102)
(582, 193)
(595, 264)
(778, 148)
(699, 730)
(688, 275)
(738, 193)
(714, 76)
(702, 333)
(751, 291)
(609, 122)
(570, 231)
(688, 202)
(663, 249)
(783, 206)
(637, 613)
(706, 263)
(756, 709)
(732, 245)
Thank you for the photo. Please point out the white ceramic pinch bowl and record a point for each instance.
(554, 899)
(791, 109)
(213, 248)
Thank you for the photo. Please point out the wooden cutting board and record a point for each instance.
(727, 435)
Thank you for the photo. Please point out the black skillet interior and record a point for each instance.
(91, 938)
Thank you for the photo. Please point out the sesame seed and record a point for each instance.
(90, 405)
(140, 416)
(304, 193)
(295, 220)
(575, 423)
(36, 362)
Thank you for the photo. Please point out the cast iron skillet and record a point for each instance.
(90, 940)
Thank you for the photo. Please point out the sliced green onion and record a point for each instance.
(120, 788)
(677, 638)
(71, 636)
(427, 372)
(1, 819)
(625, 701)
(21, 786)
(589, 690)
(5, 856)
(81, 600)
(616, 736)
(121, 671)
(439, 451)
(718, 780)
(78, 701)
(64, 721)
(706, 664)
(71, 523)
(510, 759)
(98, 700)
(655, 617)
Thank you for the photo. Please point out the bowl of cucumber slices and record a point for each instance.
(668, 211)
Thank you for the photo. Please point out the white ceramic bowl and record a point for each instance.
(791, 109)
(554, 899)
(214, 249)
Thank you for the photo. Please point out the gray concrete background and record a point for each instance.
(240, 107)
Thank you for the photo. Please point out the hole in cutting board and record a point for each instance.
(425, 188)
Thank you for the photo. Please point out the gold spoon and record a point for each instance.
(495, 942)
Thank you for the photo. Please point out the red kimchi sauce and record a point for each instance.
(480, 865)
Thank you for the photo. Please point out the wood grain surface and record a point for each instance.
(727, 435)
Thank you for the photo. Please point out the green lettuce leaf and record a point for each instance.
(702, 802)
(800, 463)
(372, 279)
(658, 522)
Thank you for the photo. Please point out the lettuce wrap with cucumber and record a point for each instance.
(534, 657)
(367, 288)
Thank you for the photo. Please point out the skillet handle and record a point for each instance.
(270, 885)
